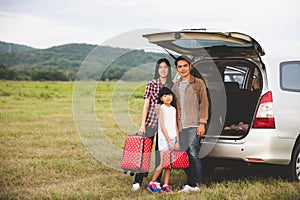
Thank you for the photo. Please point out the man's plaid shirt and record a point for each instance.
(152, 89)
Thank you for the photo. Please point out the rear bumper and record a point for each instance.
(259, 146)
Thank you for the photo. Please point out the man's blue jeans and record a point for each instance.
(190, 143)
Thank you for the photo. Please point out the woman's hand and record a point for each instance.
(142, 130)
(157, 109)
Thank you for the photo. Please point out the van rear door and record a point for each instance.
(216, 44)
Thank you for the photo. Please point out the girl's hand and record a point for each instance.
(172, 146)
(177, 146)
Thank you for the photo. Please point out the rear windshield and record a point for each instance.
(235, 74)
(195, 44)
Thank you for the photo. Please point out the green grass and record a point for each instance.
(43, 157)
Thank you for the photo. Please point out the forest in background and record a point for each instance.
(61, 63)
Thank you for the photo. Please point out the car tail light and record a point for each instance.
(264, 117)
(258, 160)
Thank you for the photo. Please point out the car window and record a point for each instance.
(289, 76)
(235, 74)
(256, 80)
(194, 44)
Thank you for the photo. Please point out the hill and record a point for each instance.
(29, 63)
(10, 47)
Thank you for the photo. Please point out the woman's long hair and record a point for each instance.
(169, 76)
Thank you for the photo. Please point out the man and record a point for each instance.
(192, 106)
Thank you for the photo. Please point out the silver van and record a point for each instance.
(254, 106)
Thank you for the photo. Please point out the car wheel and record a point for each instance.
(294, 167)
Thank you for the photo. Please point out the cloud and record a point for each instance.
(46, 23)
(42, 33)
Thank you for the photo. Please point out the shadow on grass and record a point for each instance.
(244, 172)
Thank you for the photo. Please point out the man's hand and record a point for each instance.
(201, 130)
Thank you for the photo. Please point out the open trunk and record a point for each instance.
(234, 87)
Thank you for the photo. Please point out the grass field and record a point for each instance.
(42, 156)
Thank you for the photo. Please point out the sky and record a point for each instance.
(275, 24)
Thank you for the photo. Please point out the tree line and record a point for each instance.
(61, 63)
(34, 75)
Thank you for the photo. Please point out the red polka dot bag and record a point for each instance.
(136, 154)
(175, 159)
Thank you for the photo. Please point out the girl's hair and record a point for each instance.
(164, 91)
(169, 77)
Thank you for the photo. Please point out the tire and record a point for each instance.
(294, 167)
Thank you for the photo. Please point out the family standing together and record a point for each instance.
(179, 121)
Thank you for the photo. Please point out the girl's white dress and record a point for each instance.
(169, 119)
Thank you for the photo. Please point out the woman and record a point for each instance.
(162, 78)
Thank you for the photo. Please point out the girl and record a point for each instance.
(167, 136)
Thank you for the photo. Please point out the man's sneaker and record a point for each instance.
(188, 188)
(152, 188)
(136, 187)
(195, 189)
(166, 189)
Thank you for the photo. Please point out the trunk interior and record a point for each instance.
(234, 87)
